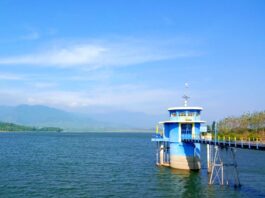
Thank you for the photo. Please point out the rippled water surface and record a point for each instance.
(108, 165)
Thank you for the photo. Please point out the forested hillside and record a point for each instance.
(14, 127)
(248, 125)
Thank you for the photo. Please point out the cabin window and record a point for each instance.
(197, 114)
(173, 114)
(190, 114)
(182, 114)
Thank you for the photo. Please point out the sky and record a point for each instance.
(134, 55)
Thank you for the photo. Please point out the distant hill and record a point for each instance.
(7, 127)
(41, 116)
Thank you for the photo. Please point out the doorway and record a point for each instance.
(186, 130)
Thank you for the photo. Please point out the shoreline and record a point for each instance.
(84, 131)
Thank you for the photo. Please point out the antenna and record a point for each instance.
(185, 97)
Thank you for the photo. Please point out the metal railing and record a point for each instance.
(249, 143)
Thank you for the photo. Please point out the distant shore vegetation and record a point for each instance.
(11, 127)
(247, 126)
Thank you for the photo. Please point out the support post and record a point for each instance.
(217, 172)
(209, 158)
(157, 154)
(234, 166)
(161, 153)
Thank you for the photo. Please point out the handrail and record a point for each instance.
(255, 144)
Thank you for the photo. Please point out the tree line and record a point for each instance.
(4, 126)
(248, 125)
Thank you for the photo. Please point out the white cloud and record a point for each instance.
(123, 97)
(132, 100)
(77, 89)
(11, 76)
(62, 57)
(91, 55)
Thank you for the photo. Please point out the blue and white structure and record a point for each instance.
(171, 151)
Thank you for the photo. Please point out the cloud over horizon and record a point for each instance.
(123, 97)
(92, 55)
(84, 74)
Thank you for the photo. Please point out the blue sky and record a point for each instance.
(91, 56)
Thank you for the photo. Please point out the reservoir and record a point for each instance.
(109, 165)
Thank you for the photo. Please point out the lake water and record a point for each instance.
(108, 165)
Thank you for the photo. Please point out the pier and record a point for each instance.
(253, 145)
(215, 162)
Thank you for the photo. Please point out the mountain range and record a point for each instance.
(40, 116)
